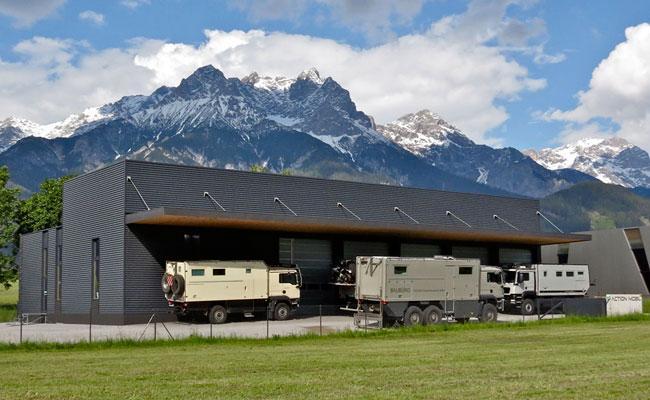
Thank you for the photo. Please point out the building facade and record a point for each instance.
(122, 222)
(617, 259)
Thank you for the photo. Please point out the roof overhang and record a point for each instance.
(269, 222)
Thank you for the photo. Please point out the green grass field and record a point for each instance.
(547, 360)
(646, 305)
(8, 301)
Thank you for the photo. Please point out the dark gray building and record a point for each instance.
(122, 222)
(617, 259)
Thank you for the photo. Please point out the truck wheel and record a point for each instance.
(489, 313)
(528, 307)
(413, 316)
(432, 315)
(218, 315)
(282, 312)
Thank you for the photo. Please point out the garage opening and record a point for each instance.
(635, 241)
(419, 250)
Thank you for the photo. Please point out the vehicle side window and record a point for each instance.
(465, 270)
(198, 272)
(545, 273)
(524, 276)
(569, 274)
(218, 271)
(399, 270)
(558, 273)
(580, 273)
(248, 270)
(289, 278)
(493, 277)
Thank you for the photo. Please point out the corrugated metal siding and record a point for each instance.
(93, 207)
(515, 256)
(142, 278)
(419, 250)
(174, 186)
(51, 269)
(29, 291)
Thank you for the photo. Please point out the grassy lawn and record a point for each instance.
(8, 301)
(646, 305)
(548, 360)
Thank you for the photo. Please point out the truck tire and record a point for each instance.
(282, 312)
(432, 315)
(528, 307)
(178, 286)
(489, 313)
(164, 283)
(218, 315)
(413, 316)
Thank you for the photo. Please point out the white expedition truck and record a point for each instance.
(219, 288)
(417, 291)
(525, 285)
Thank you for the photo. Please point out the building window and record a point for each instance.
(465, 270)
(199, 272)
(218, 272)
(399, 270)
(95, 268)
(58, 264)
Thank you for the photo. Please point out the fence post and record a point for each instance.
(320, 319)
(21, 327)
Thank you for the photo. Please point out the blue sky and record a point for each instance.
(506, 72)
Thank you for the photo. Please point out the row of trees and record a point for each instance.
(40, 211)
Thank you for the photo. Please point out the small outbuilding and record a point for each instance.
(122, 222)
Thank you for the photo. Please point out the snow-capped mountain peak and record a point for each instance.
(312, 75)
(419, 131)
(611, 160)
(273, 84)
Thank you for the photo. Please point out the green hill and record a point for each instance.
(595, 205)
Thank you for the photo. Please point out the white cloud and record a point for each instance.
(92, 17)
(444, 69)
(619, 91)
(133, 4)
(26, 12)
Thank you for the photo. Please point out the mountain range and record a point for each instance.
(306, 124)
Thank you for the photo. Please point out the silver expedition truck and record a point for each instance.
(217, 289)
(525, 286)
(417, 291)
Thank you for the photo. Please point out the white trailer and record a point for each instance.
(525, 285)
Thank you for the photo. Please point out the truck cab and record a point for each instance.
(518, 281)
(492, 285)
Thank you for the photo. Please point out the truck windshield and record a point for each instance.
(511, 276)
(291, 278)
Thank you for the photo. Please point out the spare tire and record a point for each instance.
(178, 286)
(166, 283)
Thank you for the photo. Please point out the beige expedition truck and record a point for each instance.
(417, 291)
(219, 288)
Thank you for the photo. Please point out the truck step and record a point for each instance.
(249, 315)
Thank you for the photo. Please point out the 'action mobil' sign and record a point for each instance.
(621, 304)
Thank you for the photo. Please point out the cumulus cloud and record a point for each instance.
(92, 17)
(373, 18)
(133, 4)
(619, 91)
(443, 69)
(26, 12)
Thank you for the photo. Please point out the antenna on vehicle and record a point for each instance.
(539, 213)
(208, 195)
(340, 205)
(128, 179)
(451, 214)
(277, 200)
(397, 210)
(506, 222)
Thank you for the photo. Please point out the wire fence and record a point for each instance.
(321, 319)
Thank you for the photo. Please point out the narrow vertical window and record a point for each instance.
(95, 269)
(58, 264)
